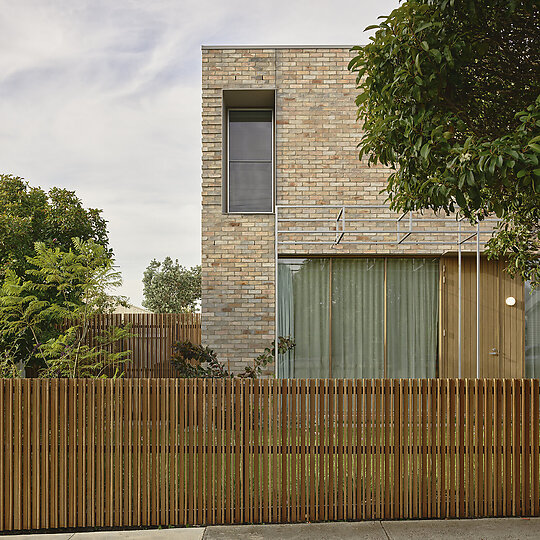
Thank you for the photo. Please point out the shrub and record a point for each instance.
(197, 361)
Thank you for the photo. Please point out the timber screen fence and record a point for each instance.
(153, 335)
(149, 452)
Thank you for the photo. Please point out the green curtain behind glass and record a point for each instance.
(308, 307)
(412, 317)
(532, 331)
(285, 366)
(358, 318)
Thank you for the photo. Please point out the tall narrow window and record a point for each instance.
(250, 168)
(532, 331)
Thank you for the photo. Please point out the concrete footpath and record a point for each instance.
(477, 529)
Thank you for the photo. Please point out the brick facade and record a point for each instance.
(316, 137)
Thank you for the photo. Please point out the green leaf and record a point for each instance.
(424, 151)
(460, 199)
(361, 98)
(360, 72)
(448, 54)
(535, 147)
(425, 45)
(497, 208)
(482, 161)
(417, 64)
(423, 27)
(436, 54)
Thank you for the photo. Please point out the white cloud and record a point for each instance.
(104, 98)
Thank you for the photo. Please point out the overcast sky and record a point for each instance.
(103, 97)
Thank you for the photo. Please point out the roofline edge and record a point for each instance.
(206, 47)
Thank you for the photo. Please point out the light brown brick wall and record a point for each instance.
(316, 163)
(237, 250)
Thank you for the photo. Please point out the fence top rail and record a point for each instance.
(330, 382)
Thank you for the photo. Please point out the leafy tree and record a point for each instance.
(29, 214)
(450, 100)
(171, 288)
(45, 317)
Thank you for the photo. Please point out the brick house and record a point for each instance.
(363, 291)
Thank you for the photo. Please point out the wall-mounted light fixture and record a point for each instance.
(510, 301)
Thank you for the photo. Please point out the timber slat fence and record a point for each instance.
(148, 452)
(153, 337)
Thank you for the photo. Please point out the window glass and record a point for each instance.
(532, 331)
(358, 318)
(334, 311)
(250, 150)
(250, 187)
(250, 135)
(304, 315)
(412, 317)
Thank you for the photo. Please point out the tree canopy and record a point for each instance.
(29, 214)
(169, 287)
(450, 100)
(55, 269)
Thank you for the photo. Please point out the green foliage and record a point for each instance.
(197, 361)
(171, 288)
(68, 355)
(285, 344)
(29, 214)
(450, 99)
(8, 370)
(45, 317)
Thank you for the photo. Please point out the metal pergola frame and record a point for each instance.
(401, 225)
